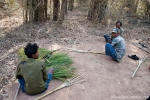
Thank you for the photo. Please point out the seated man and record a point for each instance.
(116, 49)
(32, 74)
(120, 31)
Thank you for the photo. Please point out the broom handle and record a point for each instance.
(60, 87)
(136, 70)
(139, 66)
(17, 92)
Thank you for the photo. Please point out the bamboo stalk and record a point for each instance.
(81, 51)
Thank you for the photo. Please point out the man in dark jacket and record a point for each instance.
(32, 74)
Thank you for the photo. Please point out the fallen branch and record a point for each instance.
(81, 51)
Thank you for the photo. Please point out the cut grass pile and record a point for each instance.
(59, 61)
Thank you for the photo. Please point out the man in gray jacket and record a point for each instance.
(116, 49)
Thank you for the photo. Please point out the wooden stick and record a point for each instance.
(140, 62)
(60, 87)
(71, 81)
(17, 93)
(81, 51)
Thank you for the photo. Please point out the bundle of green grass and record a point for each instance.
(59, 61)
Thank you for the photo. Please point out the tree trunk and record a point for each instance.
(35, 10)
(81, 1)
(50, 7)
(70, 5)
(45, 9)
(62, 12)
(65, 8)
(147, 9)
(91, 11)
(40, 10)
(132, 7)
(26, 12)
(97, 10)
(55, 9)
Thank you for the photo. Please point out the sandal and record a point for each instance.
(134, 57)
(148, 98)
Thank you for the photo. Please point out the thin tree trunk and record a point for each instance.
(36, 10)
(97, 10)
(50, 8)
(41, 12)
(55, 9)
(65, 6)
(45, 9)
(102, 10)
(91, 11)
(132, 7)
(147, 9)
(81, 1)
(36, 13)
(62, 12)
(70, 5)
(26, 12)
(31, 11)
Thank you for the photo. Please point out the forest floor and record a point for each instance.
(105, 80)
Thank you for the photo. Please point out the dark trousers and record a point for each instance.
(22, 83)
(107, 37)
(110, 51)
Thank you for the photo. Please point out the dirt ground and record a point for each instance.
(105, 80)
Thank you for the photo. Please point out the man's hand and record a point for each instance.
(109, 40)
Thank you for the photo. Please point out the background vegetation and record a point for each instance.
(130, 11)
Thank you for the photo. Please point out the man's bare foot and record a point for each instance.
(109, 58)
